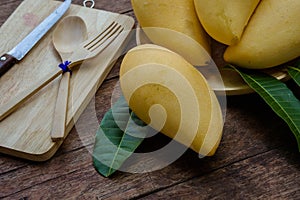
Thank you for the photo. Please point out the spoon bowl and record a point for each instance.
(69, 33)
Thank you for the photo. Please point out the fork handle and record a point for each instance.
(58, 131)
(12, 105)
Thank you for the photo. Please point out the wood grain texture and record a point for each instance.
(121, 6)
(31, 139)
(259, 177)
(257, 158)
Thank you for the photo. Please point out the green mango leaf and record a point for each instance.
(277, 95)
(294, 72)
(118, 136)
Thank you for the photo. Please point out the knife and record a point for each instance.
(18, 52)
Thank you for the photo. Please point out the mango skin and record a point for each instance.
(152, 57)
(225, 20)
(173, 24)
(271, 38)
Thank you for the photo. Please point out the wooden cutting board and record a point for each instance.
(26, 132)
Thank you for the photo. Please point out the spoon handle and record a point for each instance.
(12, 105)
(61, 109)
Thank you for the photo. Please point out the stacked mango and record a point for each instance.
(259, 34)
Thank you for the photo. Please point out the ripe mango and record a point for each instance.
(271, 38)
(225, 20)
(174, 24)
(168, 93)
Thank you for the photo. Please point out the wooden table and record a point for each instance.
(257, 158)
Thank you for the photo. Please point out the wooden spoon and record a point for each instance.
(68, 35)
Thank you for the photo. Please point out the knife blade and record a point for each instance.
(20, 50)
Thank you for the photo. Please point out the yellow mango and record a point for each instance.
(225, 20)
(271, 38)
(173, 24)
(170, 95)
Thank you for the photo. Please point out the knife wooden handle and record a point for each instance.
(6, 62)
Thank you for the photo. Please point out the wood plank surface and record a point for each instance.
(258, 177)
(257, 158)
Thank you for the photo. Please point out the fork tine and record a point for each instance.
(95, 40)
(107, 39)
(101, 36)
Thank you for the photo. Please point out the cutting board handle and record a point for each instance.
(6, 62)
